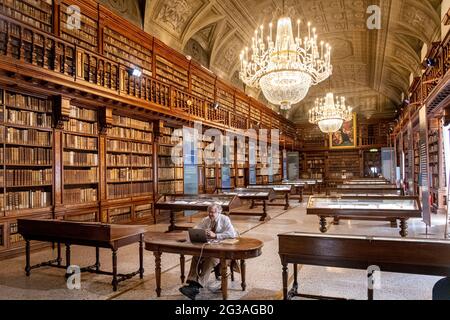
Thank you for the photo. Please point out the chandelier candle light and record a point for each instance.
(286, 68)
(329, 114)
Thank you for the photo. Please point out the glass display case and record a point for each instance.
(367, 181)
(365, 208)
(277, 188)
(251, 193)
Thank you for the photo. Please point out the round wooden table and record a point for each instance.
(244, 249)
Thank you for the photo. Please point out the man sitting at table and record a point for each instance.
(218, 227)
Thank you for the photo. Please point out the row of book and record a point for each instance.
(119, 215)
(127, 146)
(27, 102)
(129, 133)
(72, 158)
(31, 199)
(14, 235)
(118, 191)
(27, 177)
(127, 160)
(170, 187)
(132, 123)
(80, 176)
(86, 217)
(171, 151)
(80, 195)
(28, 118)
(75, 125)
(168, 140)
(34, 137)
(170, 173)
(167, 162)
(127, 174)
(79, 142)
(143, 211)
(83, 113)
(32, 156)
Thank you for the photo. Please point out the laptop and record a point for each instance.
(197, 235)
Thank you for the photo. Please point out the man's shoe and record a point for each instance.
(190, 291)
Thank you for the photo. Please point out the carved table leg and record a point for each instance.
(97, 259)
(286, 206)
(67, 258)
(172, 221)
(285, 281)
(301, 195)
(27, 263)
(323, 224)
(252, 205)
(141, 256)
(243, 284)
(223, 274)
(295, 285)
(264, 215)
(59, 259)
(182, 263)
(403, 228)
(157, 255)
(232, 262)
(336, 221)
(114, 266)
(394, 223)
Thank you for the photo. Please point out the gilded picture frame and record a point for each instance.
(345, 137)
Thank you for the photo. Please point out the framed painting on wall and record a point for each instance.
(345, 137)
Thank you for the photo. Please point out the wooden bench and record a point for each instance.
(413, 256)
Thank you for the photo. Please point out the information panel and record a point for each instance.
(293, 159)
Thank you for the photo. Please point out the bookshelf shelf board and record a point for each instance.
(30, 186)
(119, 182)
(80, 149)
(114, 138)
(28, 165)
(139, 181)
(130, 152)
(22, 126)
(79, 166)
(130, 127)
(27, 145)
(76, 133)
(167, 144)
(83, 119)
(81, 183)
(180, 179)
(27, 109)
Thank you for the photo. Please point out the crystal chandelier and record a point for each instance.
(329, 114)
(286, 68)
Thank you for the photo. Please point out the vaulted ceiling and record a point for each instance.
(372, 68)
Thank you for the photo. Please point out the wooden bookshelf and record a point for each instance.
(343, 163)
(170, 168)
(27, 141)
(372, 159)
(416, 159)
(129, 158)
(314, 166)
(171, 73)
(121, 48)
(436, 165)
(37, 13)
(86, 36)
(80, 157)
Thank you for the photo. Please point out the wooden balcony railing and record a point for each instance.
(188, 103)
(97, 70)
(27, 45)
(32, 46)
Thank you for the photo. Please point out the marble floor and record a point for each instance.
(263, 273)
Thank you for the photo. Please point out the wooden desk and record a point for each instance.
(415, 256)
(283, 190)
(365, 208)
(253, 195)
(388, 188)
(297, 188)
(158, 243)
(92, 234)
(182, 202)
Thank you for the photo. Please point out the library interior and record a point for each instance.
(234, 149)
